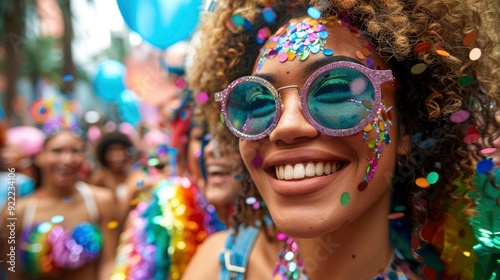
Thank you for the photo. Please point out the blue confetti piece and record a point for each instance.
(313, 12)
(328, 52)
(269, 15)
(485, 166)
(67, 78)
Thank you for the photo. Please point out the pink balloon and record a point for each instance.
(29, 139)
(93, 134)
(149, 113)
(126, 128)
(154, 137)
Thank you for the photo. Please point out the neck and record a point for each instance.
(57, 191)
(225, 213)
(360, 250)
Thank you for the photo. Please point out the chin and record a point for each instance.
(308, 222)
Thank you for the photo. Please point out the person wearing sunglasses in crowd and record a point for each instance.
(358, 123)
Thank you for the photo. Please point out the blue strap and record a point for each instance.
(236, 252)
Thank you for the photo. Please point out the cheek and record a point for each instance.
(248, 151)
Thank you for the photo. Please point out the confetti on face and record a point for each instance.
(258, 161)
(297, 39)
(345, 198)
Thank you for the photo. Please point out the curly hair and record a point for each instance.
(425, 101)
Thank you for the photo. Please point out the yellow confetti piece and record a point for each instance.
(112, 224)
(291, 56)
(422, 182)
(134, 202)
(466, 253)
(442, 52)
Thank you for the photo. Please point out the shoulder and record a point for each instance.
(205, 263)
(105, 201)
(101, 195)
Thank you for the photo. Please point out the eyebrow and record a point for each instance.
(310, 68)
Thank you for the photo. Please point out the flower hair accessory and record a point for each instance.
(56, 113)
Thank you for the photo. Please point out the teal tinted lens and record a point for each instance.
(251, 108)
(340, 98)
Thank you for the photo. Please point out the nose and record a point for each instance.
(292, 126)
(211, 149)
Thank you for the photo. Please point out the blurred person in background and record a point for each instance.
(66, 229)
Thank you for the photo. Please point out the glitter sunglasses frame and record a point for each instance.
(376, 77)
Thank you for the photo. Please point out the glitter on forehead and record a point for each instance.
(299, 39)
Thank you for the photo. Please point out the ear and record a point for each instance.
(404, 145)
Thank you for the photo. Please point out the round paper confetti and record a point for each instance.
(250, 200)
(460, 116)
(269, 15)
(488, 150)
(394, 216)
(442, 52)
(465, 80)
(313, 12)
(57, 219)
(485, 166)
(345, 198)
(68, 199)
(328, 52)
(422, 47)
(418, 68)
(258, 161)
(400, 208)
(470, 38)
(422, 182)
(238, 20)
(475, 54)
(202, 97)
(44, 227)
(112, 224)
(432, 178)
(360, 55)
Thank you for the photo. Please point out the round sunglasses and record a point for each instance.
(338, 99)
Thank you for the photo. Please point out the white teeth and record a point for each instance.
(319, 169)
(298, 171)
(328, 168)
(288, 172)
(310, 169)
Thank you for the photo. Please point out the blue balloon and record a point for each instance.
(128, 107)
(109, 81)
(161, 23)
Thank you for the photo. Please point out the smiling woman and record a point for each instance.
(350, 119)
(64, 226)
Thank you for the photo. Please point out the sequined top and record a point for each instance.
(47, 247)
